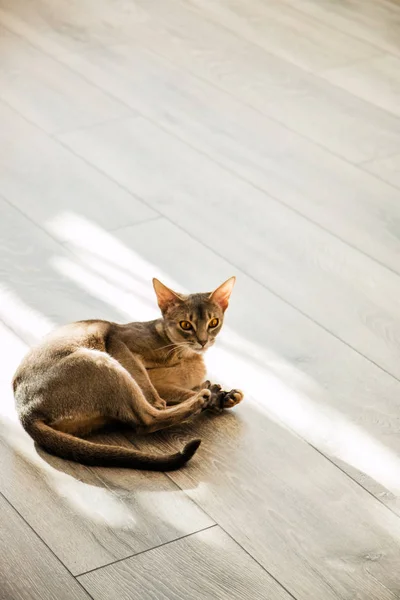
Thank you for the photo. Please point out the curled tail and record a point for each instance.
(89, 453)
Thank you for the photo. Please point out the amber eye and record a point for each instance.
(186, 326)
(213, 323)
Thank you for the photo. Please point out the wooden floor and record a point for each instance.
(192, 140)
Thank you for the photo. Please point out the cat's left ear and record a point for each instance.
(165, 296)
(222, 294)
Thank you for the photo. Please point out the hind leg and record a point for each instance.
(93, 385)
(173, 394)
(130, 362)
(155, 420)
(127, 403)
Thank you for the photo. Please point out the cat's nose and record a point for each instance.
(202, 343)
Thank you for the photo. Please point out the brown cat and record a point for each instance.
(149, 376)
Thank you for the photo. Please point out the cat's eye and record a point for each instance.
(186, 326)
(213, 323)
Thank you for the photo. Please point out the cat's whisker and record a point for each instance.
(177, 347)
(167, 346)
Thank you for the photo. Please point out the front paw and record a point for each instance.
(232, 398)
(214, 403)
(221, 399)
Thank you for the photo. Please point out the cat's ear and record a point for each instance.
(165, 296)
(222, 294)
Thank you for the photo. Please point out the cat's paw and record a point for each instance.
(213, 387)
(232, 398)
(220, 399)
(205, 397)
(160, 404)
(217, 396)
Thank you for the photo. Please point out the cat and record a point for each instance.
(148, 376)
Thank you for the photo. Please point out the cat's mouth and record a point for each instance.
(199, 349)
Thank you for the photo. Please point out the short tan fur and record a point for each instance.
(148, 376)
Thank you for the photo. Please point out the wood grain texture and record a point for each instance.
(337, 286)
(375, 22)
(13, 349)
(283, 31)
(45, 181)
(48, 94)
(328, 190)
(387, 169)
(258, 468)
(57, 28)
(376, 80)
(87, 519)
(205, 565)
(28, 570)
(299, 100)
(36, 292)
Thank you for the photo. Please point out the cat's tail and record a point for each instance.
(89, 453)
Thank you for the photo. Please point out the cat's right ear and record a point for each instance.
(222, 294)
(165, 296)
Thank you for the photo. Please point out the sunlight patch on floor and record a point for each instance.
(94, 502)
(21, 318)
(12, 350)
(127, 303)
(106, 267)
(319, 424)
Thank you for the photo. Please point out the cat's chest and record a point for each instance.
(187, 372)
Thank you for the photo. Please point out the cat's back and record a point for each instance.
(57, 345)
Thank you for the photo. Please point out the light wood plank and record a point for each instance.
(205, 565)
(354, 129)
(57, 28)
(376, 80)
(297, 99)
(387, 169)
(265, 480)
(342, 198)
(45, 181)
(285, 32)
(375, 22)
(47, 93)
(28, 570)
(11, 352)
(335, 285)
(89, 518)
(35, 293)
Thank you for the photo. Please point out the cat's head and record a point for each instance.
(196, 319)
